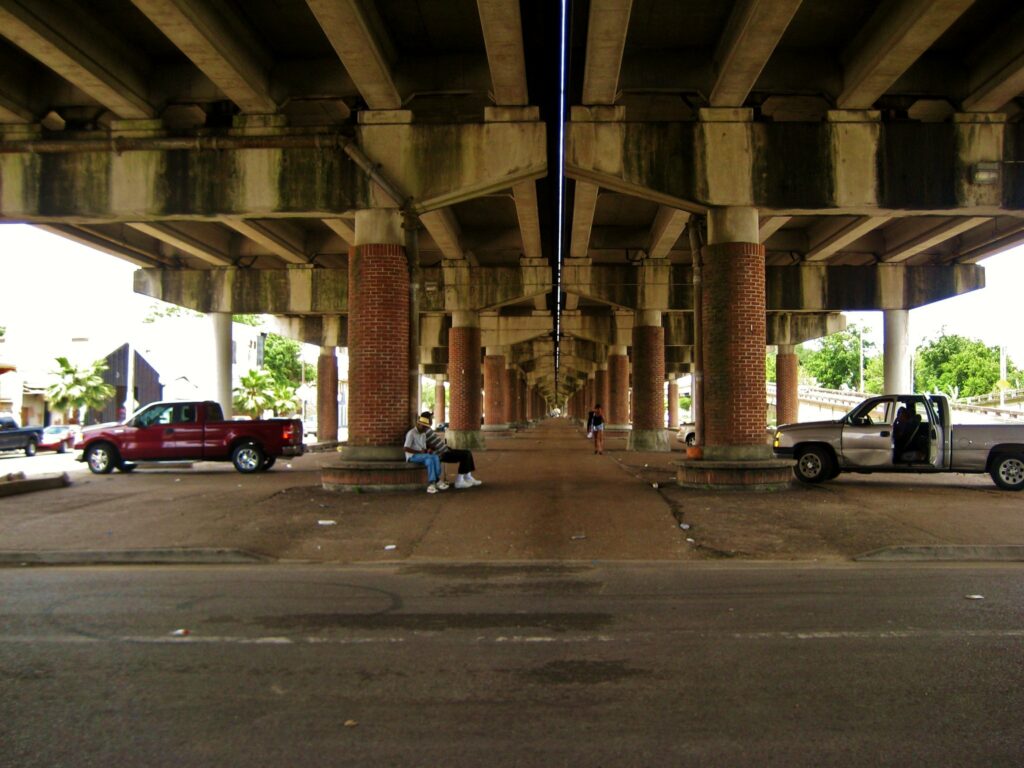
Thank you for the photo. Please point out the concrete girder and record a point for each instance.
(833, 235)
(527, 213)
(243, 291)
(176, 235)
(481, 288)
(583, 207)
(503, 38)
(81, 50)
(281, 238)
(606, 42)
(321, 330)
(502, 330)
(998, 77)
(894, 38)
(853, 164)
(901, 247)
(599, 329)
(358, 37)
(751, 34)
(444, 228)
(83, 234)
(222, 47)
(669, 224)
(343, 228)
(790, 328)
(994, 236)
(769, 225)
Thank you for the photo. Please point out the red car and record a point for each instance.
(58, 437)
(189, 431)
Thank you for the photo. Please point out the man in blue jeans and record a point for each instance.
(417, 450)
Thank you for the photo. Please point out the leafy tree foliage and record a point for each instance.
(281, 357)
(286, 401)
(835, 364)
(255, 394)
(960, 367)
(159, 310)
(874, 375)
(78, 388)
(253, 320)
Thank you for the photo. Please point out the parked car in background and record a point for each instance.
(16, 438)
(687, 433)
(59, 437)
(189, 431)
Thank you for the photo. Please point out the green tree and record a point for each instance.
(160, 309)
(959, 366)
(255, 394)
(78, 388)
(834, 364)
(253, 320)
(285, 402)
(874, 375)
(282, 357)
(769, 366)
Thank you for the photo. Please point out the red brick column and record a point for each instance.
(496, 392)
(648, 384)
(439, 406)
(464, 376)
(734, 339)
(618, 390)
(327, 395)
(512, 396)
(378, 339)
(787, 400)
(601, 387)
(673, 403)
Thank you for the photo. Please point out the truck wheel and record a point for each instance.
(1008, 471)
(814, 465)
(691, 439)
(30, 448)
(127, 466)
(101, 458)
(268, 463)
(247, 458)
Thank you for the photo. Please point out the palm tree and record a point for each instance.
(255, 393)
(286, 401)
(77, 389)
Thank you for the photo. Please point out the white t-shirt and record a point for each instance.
(416, 440)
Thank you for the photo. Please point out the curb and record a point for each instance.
(38, 483)
(997, 553)
(169, 556)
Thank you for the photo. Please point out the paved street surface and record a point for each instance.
(566, 664)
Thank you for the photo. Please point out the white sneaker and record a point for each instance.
(474, 481)
(442, 486)
(431, 488)
(460, 484)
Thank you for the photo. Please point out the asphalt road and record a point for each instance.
(500, 665)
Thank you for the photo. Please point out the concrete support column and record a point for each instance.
(618, 389)
(787, 396)
(465, 377)
(733, 311)
(673, 403)
(896, 352)
(222, 383)
(648, 384)
(601, 386)
(497, 393)
(439, 411)
(327, 396)
(378, 338)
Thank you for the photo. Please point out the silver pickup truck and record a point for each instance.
(903, 433)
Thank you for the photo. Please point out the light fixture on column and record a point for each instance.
(985, 173)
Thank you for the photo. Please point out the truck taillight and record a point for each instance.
(288, 432)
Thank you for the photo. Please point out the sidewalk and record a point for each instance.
(546, 496)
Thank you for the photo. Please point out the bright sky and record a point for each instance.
(54, 289)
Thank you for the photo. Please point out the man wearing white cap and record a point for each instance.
(418, 452)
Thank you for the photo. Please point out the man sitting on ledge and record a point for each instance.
(418, 452)
(464, 478)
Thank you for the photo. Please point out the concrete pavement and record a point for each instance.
(546, 496)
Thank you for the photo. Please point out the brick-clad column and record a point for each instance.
(497, 394)
(439, 411)
(327, 395)
(733, 308)
(648, 384)
(787, 398)
(673, 403)
(601, 387)
(511, 396)
(378, 338)
(465, 379)
(618, 389)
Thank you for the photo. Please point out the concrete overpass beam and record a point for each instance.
(830, 236)
(283, 240)
(998, 76)
(178, 236)
(525, 195)
(584, 205)
(669, 224)
(769, 225)
(751, 34)
(358, 37)
(902, 246)
(223, 47)
(791, 328)
(444, 228)
(503, 37)
(606, 41)
(895, 37)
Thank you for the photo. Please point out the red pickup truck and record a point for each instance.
(189, 431)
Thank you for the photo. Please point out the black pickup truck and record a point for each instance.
(15, 438)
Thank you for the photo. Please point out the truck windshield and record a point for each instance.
(877, 411)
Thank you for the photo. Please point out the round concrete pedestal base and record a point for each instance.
(648, 440)
(763, 475)
(371, 476)
(466, 439)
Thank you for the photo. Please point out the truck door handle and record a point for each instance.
(885, 433)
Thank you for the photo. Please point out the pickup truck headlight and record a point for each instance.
(778, 437)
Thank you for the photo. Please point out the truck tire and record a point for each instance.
(126, 466)
(30, 448)
(1007, 471)
(248, 458)
(814, 464)
(268, 463)
(101, 458)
